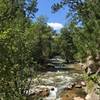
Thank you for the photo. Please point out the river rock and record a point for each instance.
(39, 90)
(44, 93)
(83, 83)
(70, 87)
(78, 98)
(78, 86)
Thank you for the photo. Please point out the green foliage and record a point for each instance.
(13, 63)
(68, 48)
(39, 37)
(87, 36)
(15, 11)
(16, 62)
(55, 50)
(90, 86)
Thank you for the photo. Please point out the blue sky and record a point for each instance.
(55, 20)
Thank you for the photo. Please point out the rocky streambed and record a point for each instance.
(60, 81)
(53, 85)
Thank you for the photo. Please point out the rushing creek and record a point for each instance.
(56, 79)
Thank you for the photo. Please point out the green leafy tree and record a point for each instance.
(40, 36)
(88, 34)
(68, 48)
(16, 12)
(56, 42)
(15, 53)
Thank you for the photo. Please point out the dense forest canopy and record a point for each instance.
(25, 46)
(88, 33)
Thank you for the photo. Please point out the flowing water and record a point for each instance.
(55, 79)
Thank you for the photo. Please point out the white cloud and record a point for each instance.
(56, 26)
